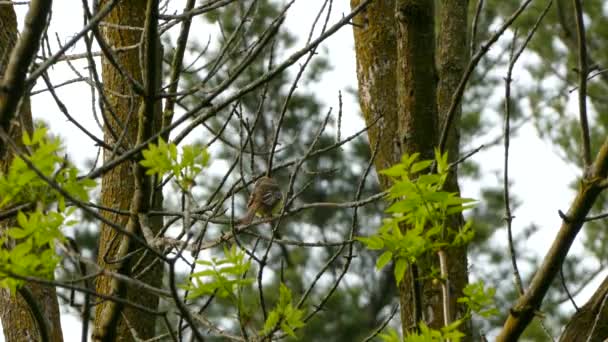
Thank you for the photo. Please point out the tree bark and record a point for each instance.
(417, 89)
(376, 49)
(17, 319)
(452, 59)
(590, 323)
(113, 321)
(395, 46)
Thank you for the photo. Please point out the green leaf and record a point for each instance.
(384, 259)
(394, 171)
(284, 294)
(27, 141)
(421, 165)
(17, 233)
(400, 267)
(22, 219)
(20, 250)
(271, 322)
(391, 336)
(372, 242)
(222, 276)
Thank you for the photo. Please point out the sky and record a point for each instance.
(535, 168)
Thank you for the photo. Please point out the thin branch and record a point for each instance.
(60, 284)
(70, 118)
(507, 137)
(596, 217)
(583, 72)
(186, 314)
(562, 280)
(474, 28)
(294, 85)
(93, 22)
(383, 325)
(351, 235)
(466, 156)
(176, 67)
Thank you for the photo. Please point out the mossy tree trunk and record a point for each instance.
(401, 94)
(112, 320)
(452, 59)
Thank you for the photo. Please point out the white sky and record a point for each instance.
(540, 177)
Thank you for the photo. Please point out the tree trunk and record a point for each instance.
(112, 320)
(452, 59)
(590, 323)
(398, 88)
(375, 44)
(416, 84)
(17, 319)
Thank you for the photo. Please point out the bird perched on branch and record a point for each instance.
(265, 197)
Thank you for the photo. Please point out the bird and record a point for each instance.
(263, 200)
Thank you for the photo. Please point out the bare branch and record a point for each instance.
(583, 72)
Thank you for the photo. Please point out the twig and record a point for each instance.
(565, 287)
(353, 231)
(474, 29)
(466, 156)
(176, 68)
(515, 54)
(583, 72)
(295, 82)
(93, 22)
(383, 325)
(61, 284)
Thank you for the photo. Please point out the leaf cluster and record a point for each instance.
(33, 255)
(426, 334)
(477, 299)
(284, 316)
(222, 277)
(418, 214)
(32, 238)
(163, 158)
(21, 184)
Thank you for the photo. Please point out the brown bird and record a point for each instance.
(264, 199)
